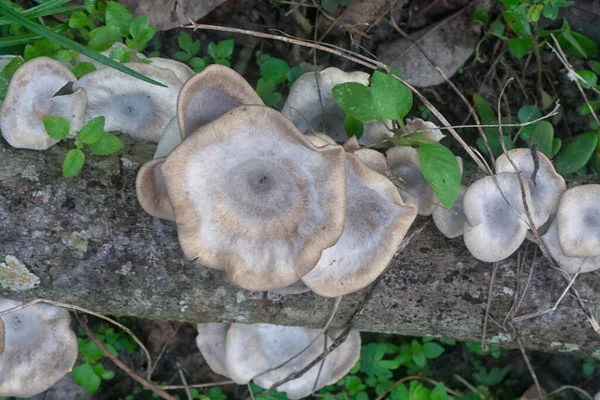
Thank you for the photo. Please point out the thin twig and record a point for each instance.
(566, 387)
(184, 381)
(164, 348)
(528, 362)
(147, 385)
(469, 386)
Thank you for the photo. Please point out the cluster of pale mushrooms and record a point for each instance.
(277, 206)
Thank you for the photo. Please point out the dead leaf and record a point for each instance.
(426, 12)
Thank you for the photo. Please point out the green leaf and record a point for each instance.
(356, 100)
(185, 42)
(556, 145)
(439, 392)
(419, 359)
(56, 127)
(107, 144)
(440, 169)
(517, 20)
(330, 5)
(275, 69)
(12, 67)
(481, 16)
(73, 163)
(399, 392)
(107, 375)
(391, 98)
(198, 64)
(118, 16)
(119, 53)
(140, 30)
(63, 56)
(362, 396)
(534, 12)
(529, 112)
(577, 45)
(212, 50)
(550, 11)
(223, 61)
(79, 20)
(225, 49)
(432, 349)
(30, 53)
(497, 29)
(576, 153)
(82, 68)
(594, 66)
(181, 56)
(353, 127)
(520, 47)
(543, 136)
(294, 73)
(585, 109)
(590, 78)
(103, 37)
(488, 117)
(84, 376)
(92, 131)
(588, 369)
(265, 86)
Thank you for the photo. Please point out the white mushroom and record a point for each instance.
(451, 222)
(130, 105)
(31, 95)
(181, 70)
(151, 190)
(40, 348)
(570, 265)
(211, 341)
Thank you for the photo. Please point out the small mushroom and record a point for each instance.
(210, 94)
(311, 106)
(405, 172)
(251, 195)
(151, 190)
(31, 95)
(429, 129)
(40, 348)
(130, 105)
(451, 222)
(578, 221)
(181, 70)
(546, 187)
(376, 222)
(570, 265)
(496, 223)
(211, 341)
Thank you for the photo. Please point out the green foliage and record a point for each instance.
(275, 72)
(391, 98)
(440, 168)
(332, 5)
(489, 117)
(218, 53)
(576, 153)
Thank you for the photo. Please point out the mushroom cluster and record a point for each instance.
(266, 354)
(253, 196)
(39, 348)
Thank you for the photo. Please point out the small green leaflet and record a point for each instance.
(576, 153)
(355, 99)
(440, 168)
(275, 69)
(85, 376)
(353, 127)
(93, 131)
(543, 137)
(56, 127)
(107, 144)
(520, 47)
(391, 98)
(73, 163)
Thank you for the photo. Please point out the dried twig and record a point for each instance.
(469, 386)
(528, 362)
(184, 381)
(164, 348)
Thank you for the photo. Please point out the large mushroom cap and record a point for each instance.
(405, 172)
(495, 229)
(570, 265)
(130, 105)
(30, 96)
(451, 222)
(376, 222)
(311, 107)
(578, 221)
(548, 185)
(253, 196)
(181, 70)
(211, 341)
(151, 190)
(40, 348)
(209, 94)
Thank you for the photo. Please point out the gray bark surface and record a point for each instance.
(89, 242)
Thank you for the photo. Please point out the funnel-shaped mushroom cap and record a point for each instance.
(40, 348)
(30, 97)
(210, 94)
(374, 160)
(578, 221)
(405, 171)
(570, 265)
(151, 190)
(309, 110)
(295, 288)
(346, 356)
(168, 140)
(376, 222)
(451, 222)
(254, 197)
(130, 105)
(181, 71)
(211, 342)
(494, 229)
(320, 139)
(548, 186)
(428, 128)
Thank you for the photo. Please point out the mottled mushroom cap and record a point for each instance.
(451, 222)
(151, 190)
(494, 229)
(211, 341)
(309, 110)
(30, 96)
(548, 186)
(130, 105)
(40, 348)
(254, 197)
(429, 129)
(211, 93)
(570, 265)
(181, 70)
(578, 221)
(376, 222)
(405, 172)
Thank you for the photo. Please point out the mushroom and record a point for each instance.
(151, 190)
(376, 222)
(295, 288)
(374, 160)
(251, 195)
(40, 348)
(129, 105)
(31, 95)
(405, 172)
(181, 70)
(578, 221)
(211, 341)
(311, 107)
(496, 223)
(351, 144)
(169, 139)
(210, 94)
(570, 265)
(451, 222)
(546, 187)
(429, 129)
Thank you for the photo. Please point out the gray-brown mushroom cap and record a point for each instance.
(30, 96)
(130, 105)
(209, 94)
(570, 265)
(40, 348)
(548, 186)
(451, 222)
(429, 129)
(151, 190)
(376, 222)
(253, 196)
(211, 341)
(578, 221)
(405, 172)
(181, 70)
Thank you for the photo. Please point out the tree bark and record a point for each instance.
(89, 242)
